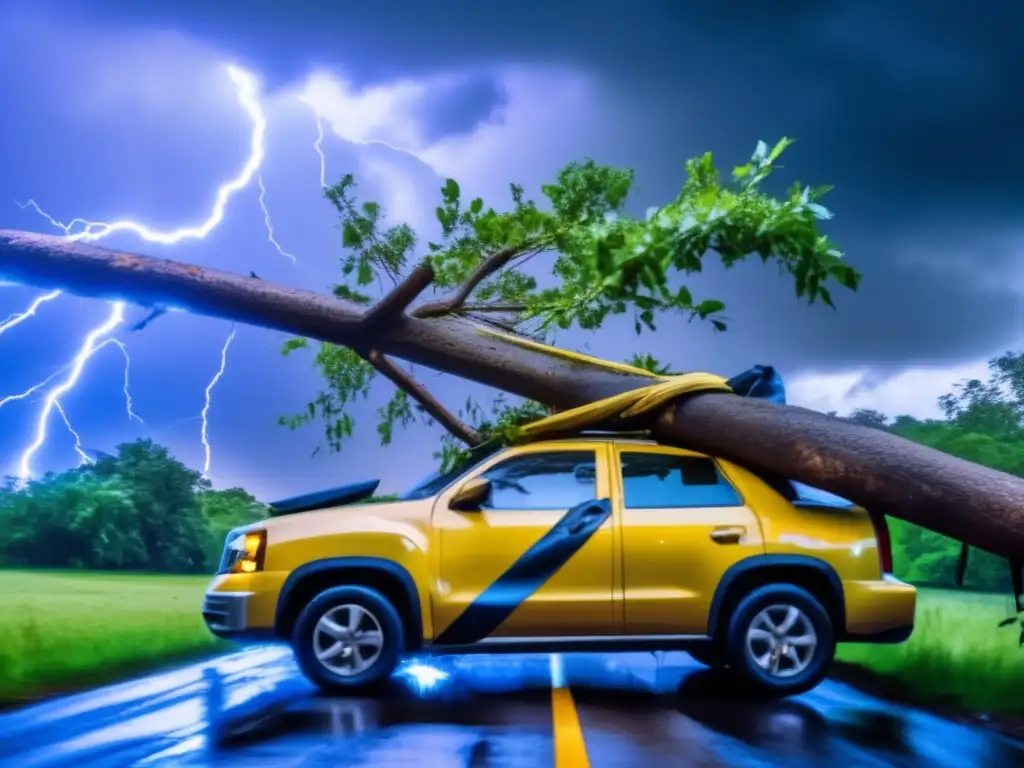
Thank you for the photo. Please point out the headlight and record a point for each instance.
(244, 552)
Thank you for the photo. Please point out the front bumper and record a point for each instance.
(879, 611)
(225, 613)
(243, 604)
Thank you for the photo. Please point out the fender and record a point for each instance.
(339, 565)
(759, 562)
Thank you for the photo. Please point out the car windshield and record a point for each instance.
(818, 496)
(436, 482)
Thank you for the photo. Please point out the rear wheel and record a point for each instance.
(348, 639)
(780, 640)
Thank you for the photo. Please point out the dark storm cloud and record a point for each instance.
(914, 101)
(910, 109)
(456, 108)
(902, 317)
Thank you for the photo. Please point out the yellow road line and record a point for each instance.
(570, 749)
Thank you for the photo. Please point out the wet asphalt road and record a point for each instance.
(252, 709)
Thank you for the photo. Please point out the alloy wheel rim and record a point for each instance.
(781, 640)
(348, 640)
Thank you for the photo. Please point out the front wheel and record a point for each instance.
(348, 639)
(780, 640)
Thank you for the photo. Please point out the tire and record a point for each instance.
(749, 643)
(354, 667)
(710, 655)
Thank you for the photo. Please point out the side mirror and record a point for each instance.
(471, 496)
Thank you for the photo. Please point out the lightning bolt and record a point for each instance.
(34, 388)
(209, 393)
(269, 224)
(85, 352)
(127, 379)
(318, 147)
(21, 317)
(94, 230)
(79, 229)
(127, 393)
(86, 459)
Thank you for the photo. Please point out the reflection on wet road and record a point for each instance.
(252, 709)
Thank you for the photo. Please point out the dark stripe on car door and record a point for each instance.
(527, 574)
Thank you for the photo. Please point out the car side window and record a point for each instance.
(550, 480)
(659, 480)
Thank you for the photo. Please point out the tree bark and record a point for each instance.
(977, 505)
(423, 398)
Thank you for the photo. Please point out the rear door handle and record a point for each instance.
(730, 534)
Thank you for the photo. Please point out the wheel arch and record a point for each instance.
(385, 576)
(810, 573)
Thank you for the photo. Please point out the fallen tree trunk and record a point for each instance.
(974, 504)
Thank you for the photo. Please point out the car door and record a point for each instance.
(683, 525)
(498, 575)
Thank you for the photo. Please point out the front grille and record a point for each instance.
(227, 611)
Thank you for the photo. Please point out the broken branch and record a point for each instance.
(427, 401)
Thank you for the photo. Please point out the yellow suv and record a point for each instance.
(595, 543)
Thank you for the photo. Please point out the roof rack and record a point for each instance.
(633, 434)
(615, 432)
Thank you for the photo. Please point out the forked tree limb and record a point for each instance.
(391, 307)
(394, 373)
(977, 505)
(486, 268)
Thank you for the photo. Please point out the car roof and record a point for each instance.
(598, 437)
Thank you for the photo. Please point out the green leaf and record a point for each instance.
(293, 344)
(350, 236)
(364, 275)
(708, 307)
(819, 211)
(779, 148)
(476, 206)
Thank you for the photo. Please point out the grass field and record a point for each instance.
(67, 630)
(957, 653)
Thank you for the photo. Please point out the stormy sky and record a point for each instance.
(124, 110)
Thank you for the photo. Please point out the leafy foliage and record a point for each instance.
(500, 421)
(648, 363)
(139, 510)
(604, 261)
(347, 378)
(369, 253)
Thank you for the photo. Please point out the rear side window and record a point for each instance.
(806, 494)
(659, 481)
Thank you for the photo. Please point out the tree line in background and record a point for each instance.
(144, 510)
(140, 510)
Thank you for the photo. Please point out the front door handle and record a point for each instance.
(730, 534)
(584, 522)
